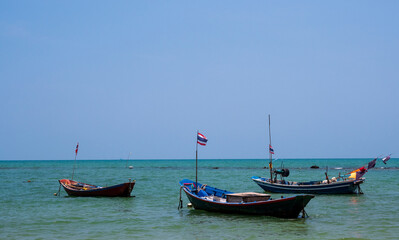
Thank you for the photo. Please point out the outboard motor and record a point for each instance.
(285, 172)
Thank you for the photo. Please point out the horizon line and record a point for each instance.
(183, 159)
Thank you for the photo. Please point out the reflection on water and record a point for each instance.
(354, 200)
(238, 225)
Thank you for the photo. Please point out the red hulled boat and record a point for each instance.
(79, 189)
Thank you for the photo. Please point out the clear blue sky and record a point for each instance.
(144, 76)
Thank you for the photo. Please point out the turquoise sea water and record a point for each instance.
(29, 210)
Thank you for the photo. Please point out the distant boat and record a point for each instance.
(130, 167)
(217, 200)
(78, 189)
(340, 185)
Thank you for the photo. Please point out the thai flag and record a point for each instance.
(201, 139)
(76, 150)
(271, 150)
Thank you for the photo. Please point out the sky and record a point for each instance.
(145, 76)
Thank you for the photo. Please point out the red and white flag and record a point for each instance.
(201, 139)
(271, 150)
(76, 150)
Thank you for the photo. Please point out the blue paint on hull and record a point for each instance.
(289, 207)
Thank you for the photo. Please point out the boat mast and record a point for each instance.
(128, 158)
(196, 163)
(270, 154)
(73, 170)
(74, 162)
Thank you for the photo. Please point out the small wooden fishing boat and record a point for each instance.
(312, 187)
(212, 199)
(216, 200)
(340, 185)
(78, 189)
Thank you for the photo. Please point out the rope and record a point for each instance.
(59, 189)
(359, 190)
(130, 186)
(304, 213)
(180, 200)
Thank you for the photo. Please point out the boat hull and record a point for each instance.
(341, 187)
(120, 190)
(289, 207)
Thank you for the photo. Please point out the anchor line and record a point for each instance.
(180, 200)
(59, 189)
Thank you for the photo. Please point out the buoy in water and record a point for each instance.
(28, 181)
(55, 194)
(189, 205)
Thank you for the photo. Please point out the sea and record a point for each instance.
(30, 210)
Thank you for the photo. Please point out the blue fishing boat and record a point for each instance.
(312, 187)
(216, 200)
(341, 185)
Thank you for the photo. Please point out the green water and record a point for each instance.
(29, 210)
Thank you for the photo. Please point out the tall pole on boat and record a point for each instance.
(196, 162)
(73, 170)
(74, 162)
(128, 158)
(270, 153)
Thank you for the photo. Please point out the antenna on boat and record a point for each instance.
(270, 153)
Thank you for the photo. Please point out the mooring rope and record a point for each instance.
(130, 186)
(180, 200)
(359, 190)
(304, 213)
(59, 189)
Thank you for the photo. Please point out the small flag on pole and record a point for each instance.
(271, 150)
(76, 150)
(385, 159)
(201, 139)
(372, 164)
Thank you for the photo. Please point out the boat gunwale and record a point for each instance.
(96, 189)
(345, 182)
